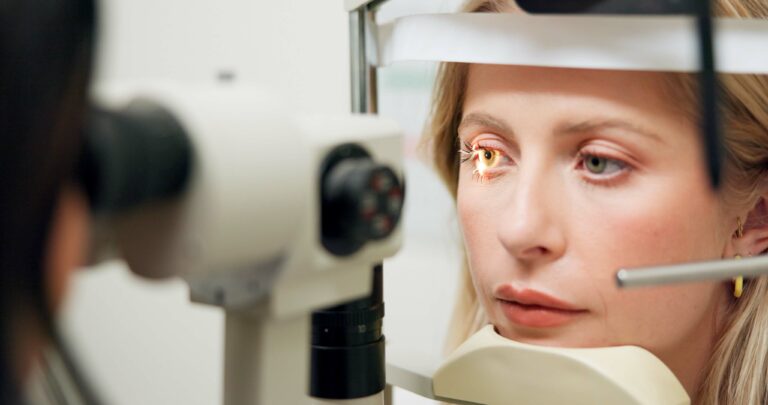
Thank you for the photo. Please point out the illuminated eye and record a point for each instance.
(488, 158)
(595, 164)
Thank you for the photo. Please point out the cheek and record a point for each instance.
(637, 232)
(661, 319)
(476, 210)
(645, 231)
(474, 219)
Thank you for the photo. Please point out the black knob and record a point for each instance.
(361, 200)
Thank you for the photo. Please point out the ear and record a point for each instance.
(755, 237)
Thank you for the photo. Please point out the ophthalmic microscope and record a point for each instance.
(294, 262)
(280, 216)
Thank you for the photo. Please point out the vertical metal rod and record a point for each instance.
(262, 356)
(357, 59)
(362, 73)
(708, 92)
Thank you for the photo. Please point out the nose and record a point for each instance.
(531, 227)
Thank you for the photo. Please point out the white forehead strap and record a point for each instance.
(655, 43)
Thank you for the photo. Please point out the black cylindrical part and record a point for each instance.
(347, 359)
(138, 154)
(653, 7)
(361, 200)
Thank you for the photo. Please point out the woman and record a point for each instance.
(45, 58)
(563, 176)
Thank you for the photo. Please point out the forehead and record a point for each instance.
(625, 87)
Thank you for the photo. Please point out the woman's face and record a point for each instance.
(569, 175)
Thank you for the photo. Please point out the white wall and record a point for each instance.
(144, 343)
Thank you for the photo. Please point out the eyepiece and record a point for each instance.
(347, 359)
(131, 156)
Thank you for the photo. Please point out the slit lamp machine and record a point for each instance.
(281, 213)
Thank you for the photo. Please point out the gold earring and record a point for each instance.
(738, 286)
(738, 282)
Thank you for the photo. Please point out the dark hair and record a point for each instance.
(45, 64)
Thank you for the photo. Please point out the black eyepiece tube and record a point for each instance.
(132, 156)
(347, 360)
(708, 93)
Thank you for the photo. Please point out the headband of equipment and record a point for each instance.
(620, 42)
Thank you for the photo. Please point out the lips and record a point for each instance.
(535, 309)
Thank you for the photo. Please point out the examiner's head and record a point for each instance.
(45, 59)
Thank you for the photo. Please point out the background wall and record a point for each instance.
(145, 343)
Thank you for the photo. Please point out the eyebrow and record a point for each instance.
(601, 125)
(488, 121)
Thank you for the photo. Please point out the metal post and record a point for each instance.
(708, 83)
(362, 73)
(261, 359)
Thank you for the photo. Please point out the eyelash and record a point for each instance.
(468, 153)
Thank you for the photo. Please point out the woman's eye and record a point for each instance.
(601, 166)
(484, 160)
(596, 164)
(488, 158)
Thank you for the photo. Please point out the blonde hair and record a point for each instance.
(738, 367)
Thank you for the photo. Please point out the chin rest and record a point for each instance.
(490, 369)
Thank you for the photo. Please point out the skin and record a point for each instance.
(65, 250)
(568, 201)
(67, 243)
